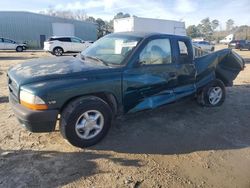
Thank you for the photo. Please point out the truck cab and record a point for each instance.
(120, 73)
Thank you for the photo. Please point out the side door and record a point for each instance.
(185, 68)
(9, 44)
(65, 43)
(1, 44)
(149, 83)
(77, 44)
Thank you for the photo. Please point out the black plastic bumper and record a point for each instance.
(35, 121)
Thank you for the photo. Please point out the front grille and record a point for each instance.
(13, 89)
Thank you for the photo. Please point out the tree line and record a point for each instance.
(208, 30)
(205, 29)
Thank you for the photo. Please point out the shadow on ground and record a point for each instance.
(7, 58)
(184, 127)
(4, 99)
(27, 168)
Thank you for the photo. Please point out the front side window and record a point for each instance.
(112, 49)
(157, 51)
(76, 40)
(8, 41)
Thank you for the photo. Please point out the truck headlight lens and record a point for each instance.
(31, 101)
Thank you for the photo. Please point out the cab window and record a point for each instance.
(185, 55)
(157, 51)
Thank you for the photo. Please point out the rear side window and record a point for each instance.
(185, 54)
(64, 39)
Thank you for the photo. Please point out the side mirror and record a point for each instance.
(140, 63)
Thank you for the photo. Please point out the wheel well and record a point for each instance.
(58, 47)
(225, 82)
(19, 46)
(109, 98)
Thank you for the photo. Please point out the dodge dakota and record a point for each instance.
(120, 73)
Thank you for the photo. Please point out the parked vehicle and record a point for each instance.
(63, 44)
(8, 44)
(227, 39)
(120, 73)
(204, 45)
(239, 44)
(138, 24)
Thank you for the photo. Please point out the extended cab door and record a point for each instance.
(186, 71)
(150, 82)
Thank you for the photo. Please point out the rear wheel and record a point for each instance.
(58, 51)
(85, 121)
(19, 49)
(213, 94)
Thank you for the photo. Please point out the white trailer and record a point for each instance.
(138, 24)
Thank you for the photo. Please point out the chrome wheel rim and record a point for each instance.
(89, 124)
(215, 95)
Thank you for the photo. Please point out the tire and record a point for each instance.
(212, 49)
(74, 123)
(213, 94)
(19, 49)
(58, 51)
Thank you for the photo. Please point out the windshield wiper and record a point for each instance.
(96, 59)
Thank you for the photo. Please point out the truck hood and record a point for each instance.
(52, 68)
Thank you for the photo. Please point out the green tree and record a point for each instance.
(91, 19)
(100, 27)
(193, 31)
(206, 28)
(229, 25)
(215, 24)
(121, 15)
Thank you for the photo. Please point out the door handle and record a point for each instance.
(172, 74)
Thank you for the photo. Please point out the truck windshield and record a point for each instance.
(112, 49)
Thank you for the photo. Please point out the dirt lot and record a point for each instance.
(179, 145)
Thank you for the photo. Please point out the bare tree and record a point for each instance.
(79, 14)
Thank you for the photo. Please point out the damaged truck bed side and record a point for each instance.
(119, 73)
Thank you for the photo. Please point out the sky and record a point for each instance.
(189, 11)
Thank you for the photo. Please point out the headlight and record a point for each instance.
(31, 101)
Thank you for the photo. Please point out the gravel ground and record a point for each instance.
(179, 145)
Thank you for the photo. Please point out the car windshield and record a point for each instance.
(112, 49)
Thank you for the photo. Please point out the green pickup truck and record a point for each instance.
(120, 73)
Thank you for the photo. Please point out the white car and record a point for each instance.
(59, 45)
(8, 44)
(204, 45)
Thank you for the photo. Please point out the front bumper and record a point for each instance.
(35, 121)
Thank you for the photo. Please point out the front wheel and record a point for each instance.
(19, 49)
(58, 51)
(85, 121)
(213, 94)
